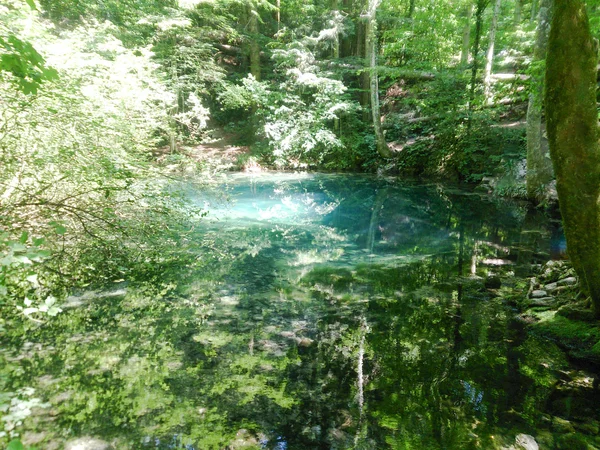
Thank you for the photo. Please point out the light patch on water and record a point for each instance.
(304, 258)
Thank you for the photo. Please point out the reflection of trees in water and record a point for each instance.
(304, 344)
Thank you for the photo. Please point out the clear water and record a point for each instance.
(326, 311)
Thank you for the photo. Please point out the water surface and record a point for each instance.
(326, 311)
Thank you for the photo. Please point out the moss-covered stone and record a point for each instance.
(337, 277)
(576, 312)
(580, 339)
(572, 441)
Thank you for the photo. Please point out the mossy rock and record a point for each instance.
(573, 407)
(572, 441)
(580, 339)
(577, 313)
(337, 277)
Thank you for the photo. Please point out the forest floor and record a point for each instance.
(219, 152)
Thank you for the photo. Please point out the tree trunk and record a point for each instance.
(518, 9)
(346, 44)
(539, 165)
(364, 75)
(411, 9)
(481, 5)
(489, 60)
(466, 37)
(338, 19)
(572, 122)
(533, 11)
(254, 47)
(336, 50)
(371, 49)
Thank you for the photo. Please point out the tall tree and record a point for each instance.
(533, 10)
(539, 165)
(481, 6)
(466, 36)
(254, 51)
(371, 51)
(572, 122)
(411, 8)
(489, 59)
(518, 9)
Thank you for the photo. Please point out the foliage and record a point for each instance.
(19, 58)
(188, 61)
(80, 198)
(122, 13)
(440, 142)
(297, 113)
(409, 42)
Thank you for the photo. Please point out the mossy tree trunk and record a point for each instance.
(371, 50)
(572, 123)
(539, 165)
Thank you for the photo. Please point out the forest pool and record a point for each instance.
(325, 311)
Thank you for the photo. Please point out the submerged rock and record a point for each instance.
(543, 301)
(493, 282)
(74, 301)
(572, 441)
(526, 442)
(88, 443)
(590, 426)
(305, 342)
(562, 426)
(244, 439)
(569, 281)
(538, 293)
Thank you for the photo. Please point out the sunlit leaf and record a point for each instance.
(15, 444)
(29, 311)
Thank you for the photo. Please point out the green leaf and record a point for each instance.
(22, 259)
(58, 227)
(32, 4)
(17, 247)
(54, 311)
(29, 311)
(24, 237)
(15, 444)
(38, 241)
(50, 74)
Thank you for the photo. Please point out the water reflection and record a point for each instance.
(329, 312)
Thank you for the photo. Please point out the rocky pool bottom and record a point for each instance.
(324, 312)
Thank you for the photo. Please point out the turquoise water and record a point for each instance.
(326, 311)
